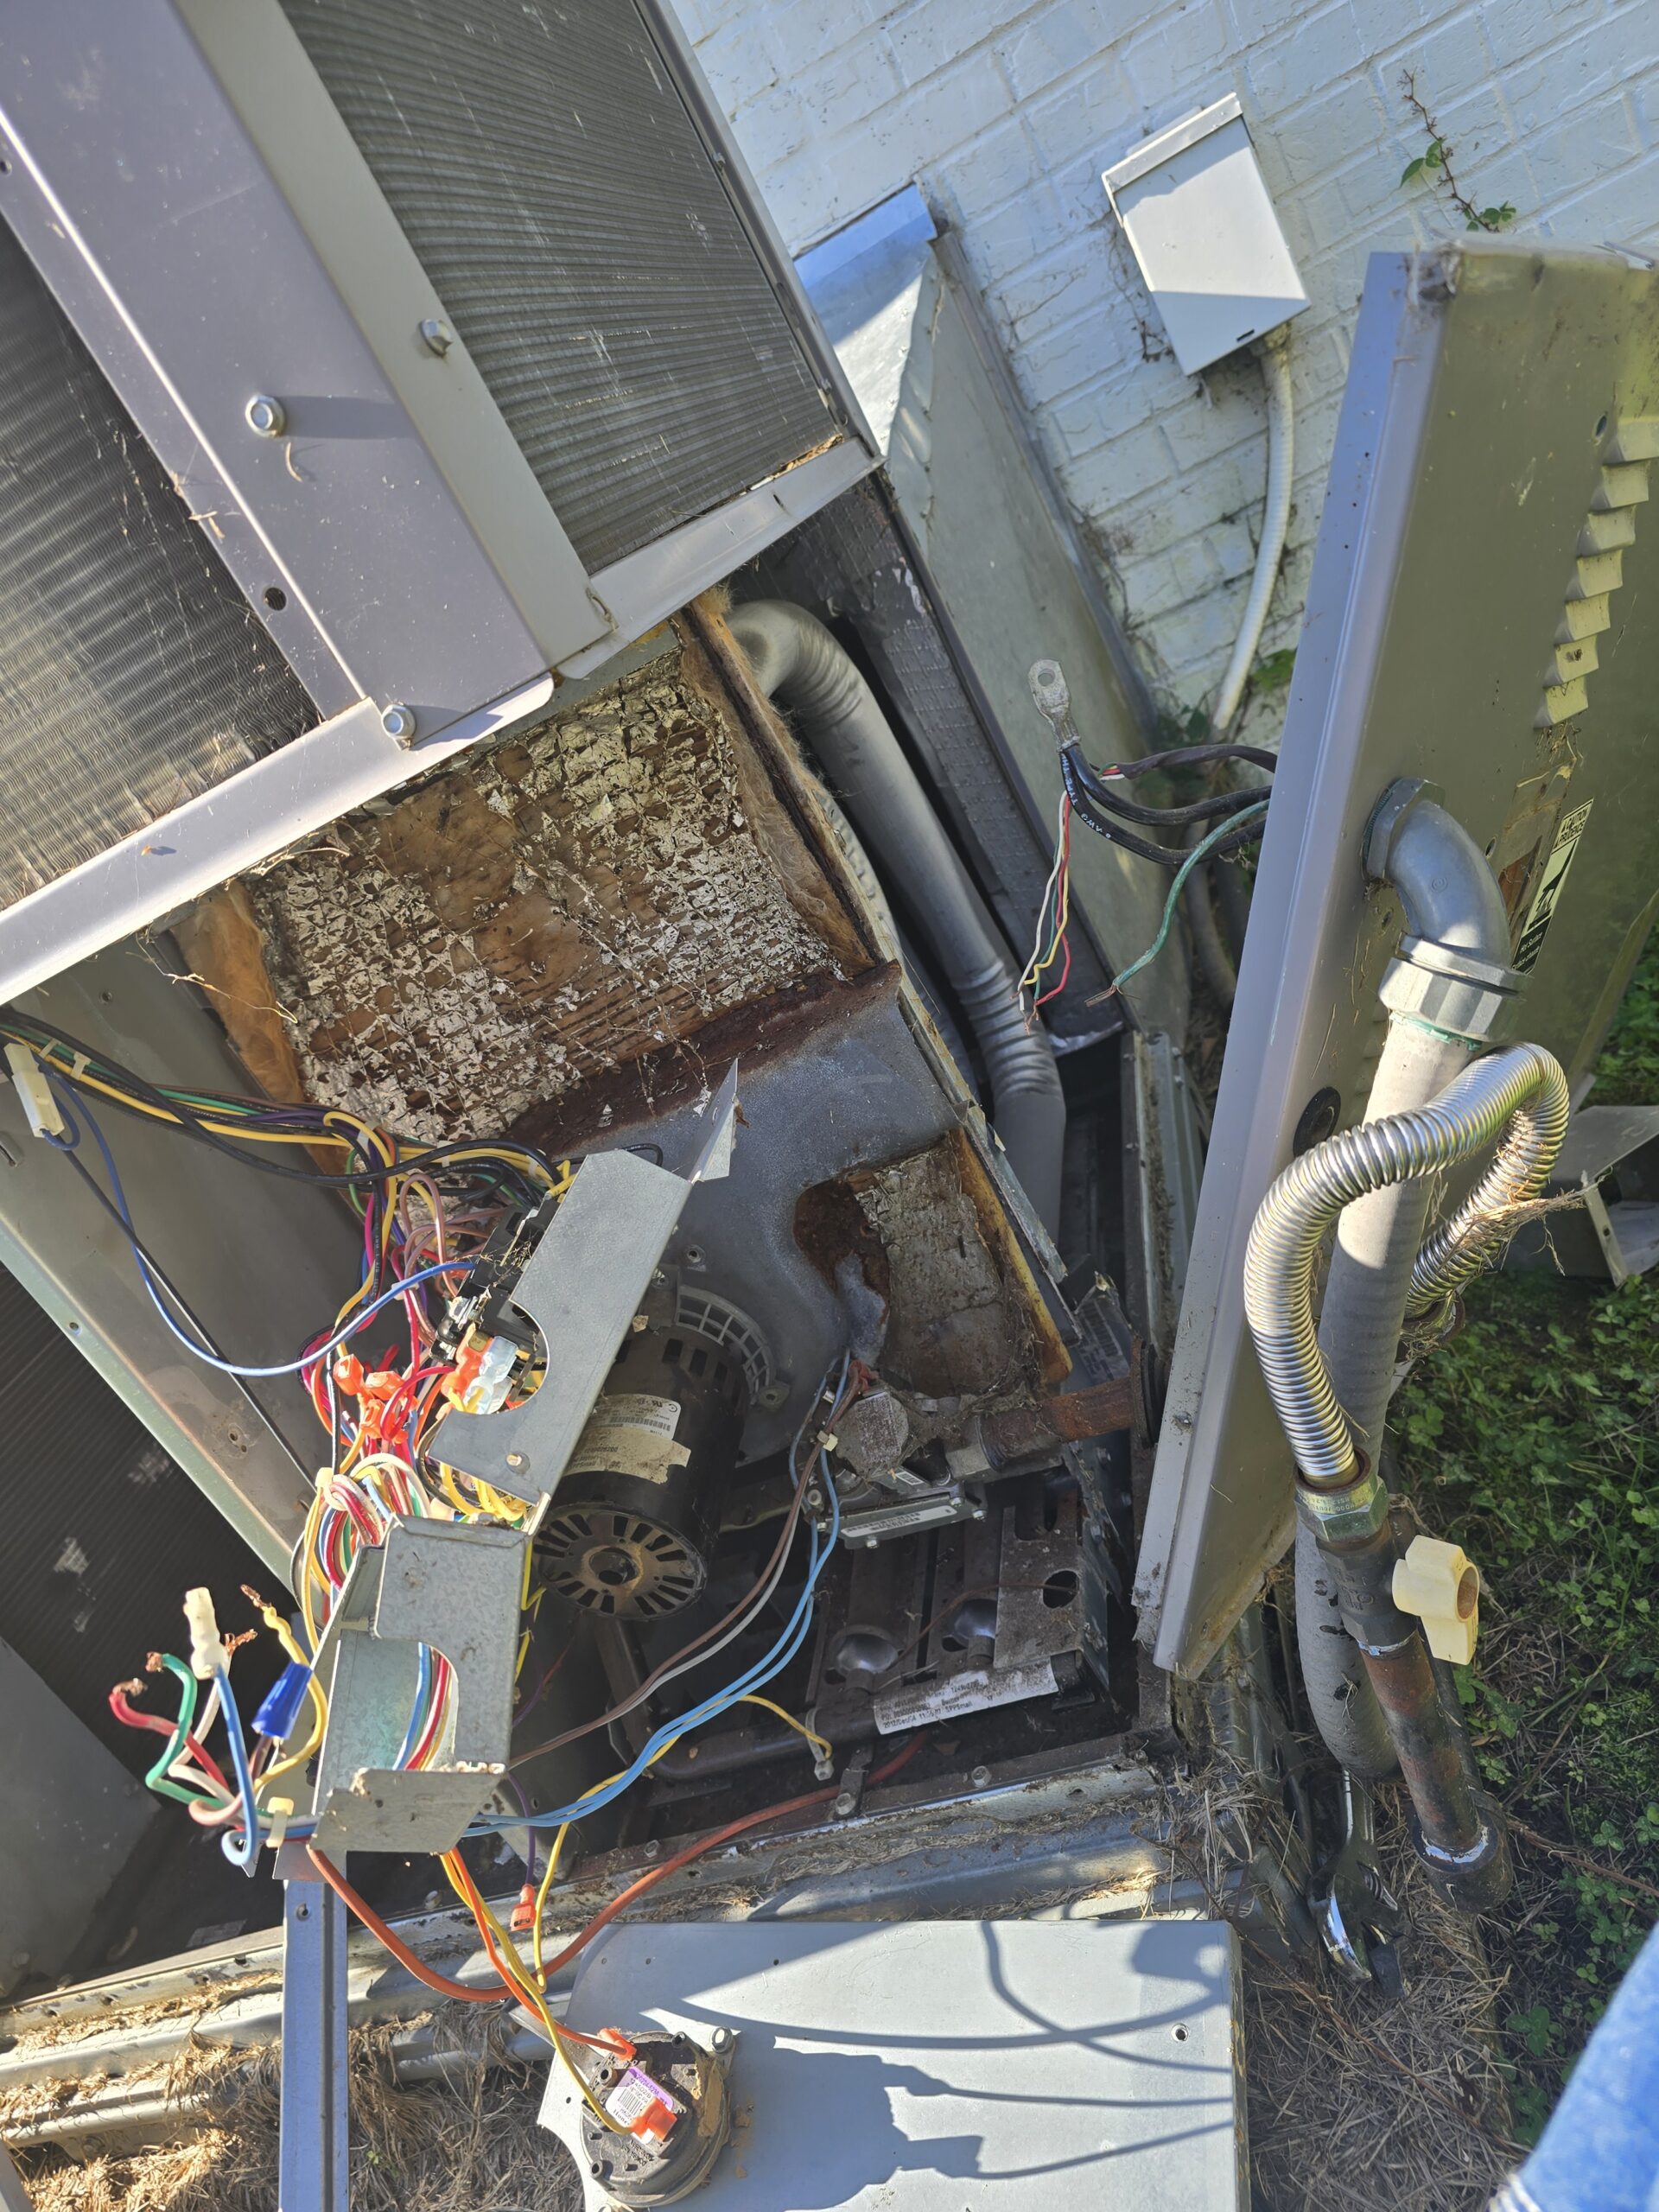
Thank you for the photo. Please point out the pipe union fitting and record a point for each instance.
(1449, 989)
(1345, 1515)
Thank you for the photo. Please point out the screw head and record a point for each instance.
(845, 1803)
(979, 1513)
(399, 722)
(639, 1323)
(653, 1849)
(870, 1543)
(721, 2038)
(980, 1778)
(437, 334)
(266, 418)
(517, 1461)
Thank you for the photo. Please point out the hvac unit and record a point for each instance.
(374, 365)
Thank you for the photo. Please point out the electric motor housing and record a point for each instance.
(632, 1526)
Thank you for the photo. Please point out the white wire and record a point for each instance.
(1048, 891)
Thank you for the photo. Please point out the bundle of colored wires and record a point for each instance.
(1052, 916)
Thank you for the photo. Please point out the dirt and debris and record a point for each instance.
(1355, 2104)
(473, 2145)
(584, 896)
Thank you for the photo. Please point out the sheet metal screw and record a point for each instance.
(267, 417)
(437, 334)
(399, 722)
(981, 1777)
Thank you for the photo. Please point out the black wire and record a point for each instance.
(1170, 856)
(184, 1118)
(1196, 756)
(1158, 818)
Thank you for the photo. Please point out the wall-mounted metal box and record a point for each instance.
(370, 362)
(1195, 208)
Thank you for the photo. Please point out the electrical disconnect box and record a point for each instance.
(1197, 211)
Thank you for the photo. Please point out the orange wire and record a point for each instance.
(446, 1988)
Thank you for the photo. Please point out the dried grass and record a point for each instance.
(474, 2146)
(1357, 2105)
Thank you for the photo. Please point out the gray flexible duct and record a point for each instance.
(797, 660)
(1519, 1095)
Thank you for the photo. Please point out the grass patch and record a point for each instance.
(1534, 1439)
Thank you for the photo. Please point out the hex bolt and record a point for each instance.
(981, 1777)
(266, 418)
(845, 1803)
(399, 722)
(639, 1323)
(979, 1513)
(437, 334)
(653, 1849)
(721, 2039)
(518, 1462)
(870, 1543)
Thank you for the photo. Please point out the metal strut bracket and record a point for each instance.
(582, 1288)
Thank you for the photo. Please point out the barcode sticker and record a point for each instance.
(1545, 899)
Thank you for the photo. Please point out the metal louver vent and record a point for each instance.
(544, 166)
(133, 674)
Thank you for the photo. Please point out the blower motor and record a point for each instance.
(634, 1523)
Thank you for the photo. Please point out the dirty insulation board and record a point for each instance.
(592, 893)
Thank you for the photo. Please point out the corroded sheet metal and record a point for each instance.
(594, 891)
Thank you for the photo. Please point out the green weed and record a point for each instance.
(1533, 1438)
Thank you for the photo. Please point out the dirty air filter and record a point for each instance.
(132, 671)
(637, 1512)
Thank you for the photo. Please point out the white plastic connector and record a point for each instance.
(207, 1652)
(45, 1116)
(1440, 1584)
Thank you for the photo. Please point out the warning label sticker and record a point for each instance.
(631, 1434)
(1545, 899)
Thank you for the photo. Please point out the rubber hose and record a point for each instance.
(797, 661)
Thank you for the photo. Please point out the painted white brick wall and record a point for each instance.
(1005, 112)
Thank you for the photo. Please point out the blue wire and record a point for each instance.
(245, 1854)
(422, 1687)
(229, 1366)
(762, 1671)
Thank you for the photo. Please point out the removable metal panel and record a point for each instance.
(1011, 2066)
(1487, 518)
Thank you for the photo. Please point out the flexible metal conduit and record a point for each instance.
(797, 661)
(1521, 1091)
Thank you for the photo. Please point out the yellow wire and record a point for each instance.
(821, 1745)
(511, 1963)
